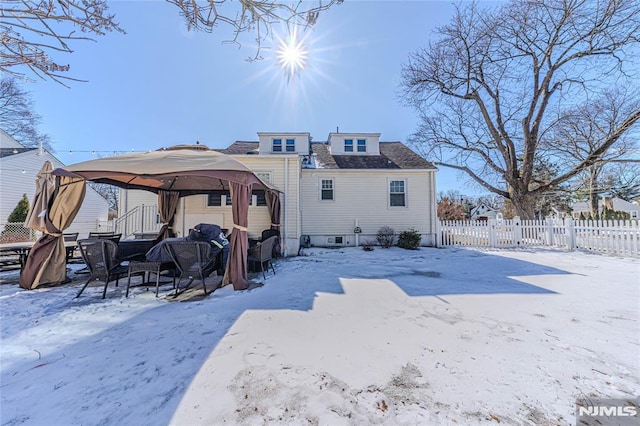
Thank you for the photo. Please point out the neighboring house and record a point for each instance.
(330, 190)
(615, 204)
(18, 169)
(483, 212)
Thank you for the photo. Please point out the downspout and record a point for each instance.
(184, 223)
(434, 210)
(300, 206)
(285, 250)
(357, 234)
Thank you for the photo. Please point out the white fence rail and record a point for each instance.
(615, 237)
(16, 232)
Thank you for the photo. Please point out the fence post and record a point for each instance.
(570, 230)
(492, 232)
(517, 231)
(438, 239)
(142, 219)
(549, 231)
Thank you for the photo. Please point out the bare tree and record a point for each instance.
(495, 83)
(36, 33)
(108, 192)
(250, 16)
(580, 133)
(17, 115)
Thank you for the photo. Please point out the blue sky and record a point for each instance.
(159, 85)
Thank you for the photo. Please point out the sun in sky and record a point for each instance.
(291, 54)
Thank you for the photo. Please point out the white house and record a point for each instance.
(615, 204)
(334, 193)
(483, 212)
(18, 169)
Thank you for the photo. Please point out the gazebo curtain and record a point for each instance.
(236, 272)
(45, 185)
(273, 203)
(167, 206)
(46, 262)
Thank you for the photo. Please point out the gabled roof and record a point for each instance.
(241, 148)
(393, 155)
(6, 152)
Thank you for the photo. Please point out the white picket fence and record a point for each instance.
(609, 236)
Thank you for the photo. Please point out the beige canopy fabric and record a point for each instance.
(45, 184)
(46, 263)
(185, 170)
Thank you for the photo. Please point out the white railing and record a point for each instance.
(139, 220)
(610, 237)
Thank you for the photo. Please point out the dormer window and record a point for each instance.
(276, 145)
(348, 145)
(291, 145)
(362, 145)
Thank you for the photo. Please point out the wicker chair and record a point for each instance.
(101, 257)
(268, 233)
(70, 237)
(193, 261)
(262, 253)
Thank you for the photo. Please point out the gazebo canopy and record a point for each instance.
(171, 173)
(186, 169)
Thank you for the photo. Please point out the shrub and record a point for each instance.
(385, 236)
(19, 213)
(409, 240)
(368, 245)
(14, 230)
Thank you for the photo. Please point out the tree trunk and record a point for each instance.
(525, 205)
(593, 194)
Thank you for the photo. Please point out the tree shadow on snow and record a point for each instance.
(140, 367)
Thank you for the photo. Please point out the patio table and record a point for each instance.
(22, 249)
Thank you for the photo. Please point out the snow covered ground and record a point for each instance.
(343, 336)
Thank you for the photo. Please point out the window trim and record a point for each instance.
(291, 145)
(389, 193)
(361, 145)
(227, 202)
(268, 175)
(278, 145)
(348, 145)
(333, 190)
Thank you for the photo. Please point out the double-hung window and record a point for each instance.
(397, 193)
(348, 145)
(326, 189)
(276, 145)
(261, 198)
(214, 198)
(362, 145)
(290, 145)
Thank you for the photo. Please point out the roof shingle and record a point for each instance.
(393, 155)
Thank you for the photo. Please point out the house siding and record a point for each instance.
(363, 196)
(14, 183)
(361, 191)
(284, 171)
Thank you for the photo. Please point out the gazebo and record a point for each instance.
(172, 173)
